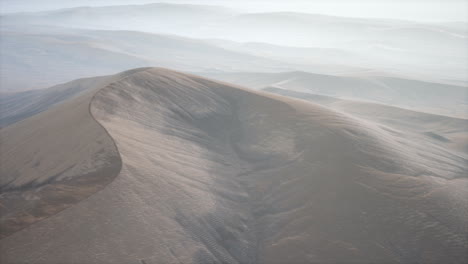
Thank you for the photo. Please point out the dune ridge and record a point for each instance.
(216, 173)
(42, 174)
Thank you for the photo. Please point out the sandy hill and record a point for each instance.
(214, 173)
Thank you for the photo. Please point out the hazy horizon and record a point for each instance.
(421, 11)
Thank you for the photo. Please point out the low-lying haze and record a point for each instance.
(435, 10)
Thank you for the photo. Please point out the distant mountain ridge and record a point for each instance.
(432, 51)
(57, 55)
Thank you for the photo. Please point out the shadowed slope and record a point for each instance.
(218, 174)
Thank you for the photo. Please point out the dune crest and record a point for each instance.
(214, 173)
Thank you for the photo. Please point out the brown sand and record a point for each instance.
(213, 173)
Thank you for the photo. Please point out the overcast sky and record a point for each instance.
(418, 10)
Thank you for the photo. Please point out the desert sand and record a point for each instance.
(216, 173)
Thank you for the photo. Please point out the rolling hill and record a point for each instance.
(430, 51)
(431, 97)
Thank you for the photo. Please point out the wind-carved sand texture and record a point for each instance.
(214, 173)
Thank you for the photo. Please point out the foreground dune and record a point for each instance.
(213, 173)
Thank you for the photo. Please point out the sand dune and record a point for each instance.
(214, 173)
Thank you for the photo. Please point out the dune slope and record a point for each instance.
(213, 173)
(54, 154)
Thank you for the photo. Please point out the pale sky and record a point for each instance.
(417, 10)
